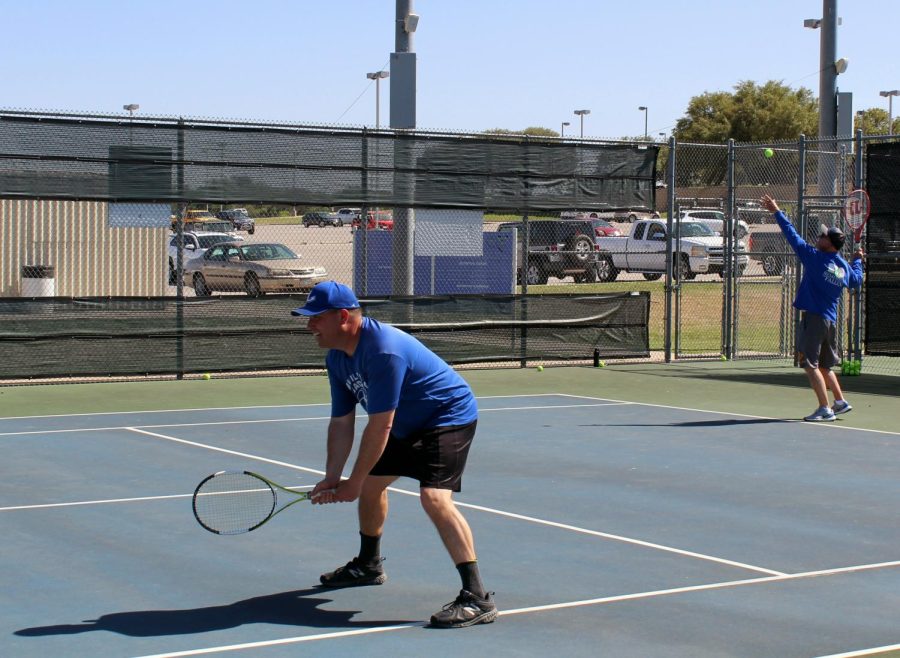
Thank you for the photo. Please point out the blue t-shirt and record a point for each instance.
(391, 370)
(825, 274)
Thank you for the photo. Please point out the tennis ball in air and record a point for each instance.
(768, 153)
(540, 368)
(206, 376)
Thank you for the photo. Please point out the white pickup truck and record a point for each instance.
(697, 250)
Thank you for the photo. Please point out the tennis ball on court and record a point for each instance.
(768, 153)
(722, 357)
(206, 376)
(602, 364)
(540, 368)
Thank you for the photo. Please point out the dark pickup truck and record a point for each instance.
(557, 248)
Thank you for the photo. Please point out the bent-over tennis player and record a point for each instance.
(422, 418)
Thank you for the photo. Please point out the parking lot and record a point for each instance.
(332, 248)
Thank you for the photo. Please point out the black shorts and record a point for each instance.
(817, 342)
(436, 457)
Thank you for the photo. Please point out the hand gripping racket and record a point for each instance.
(856, 212)
(235, 502)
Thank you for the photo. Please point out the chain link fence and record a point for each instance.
(184, 224)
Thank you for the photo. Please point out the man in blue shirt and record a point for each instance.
(421, 422)
(825, 275)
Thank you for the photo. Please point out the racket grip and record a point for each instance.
(309, 494)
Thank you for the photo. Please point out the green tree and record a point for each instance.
(534, 131)
(874, 121)
(752, 113)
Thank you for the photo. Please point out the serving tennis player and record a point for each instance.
(421, 422)
(825, 275)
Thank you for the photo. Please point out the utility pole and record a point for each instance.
(403, 117)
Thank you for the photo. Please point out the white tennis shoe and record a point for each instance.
(841, 407)
(822, 414)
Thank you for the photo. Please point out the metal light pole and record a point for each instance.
(643, 109)
(562, 128)
(829, 69)
(890, 96)
(580, 114)
(403, 117)
(377, 76)
(131, 108)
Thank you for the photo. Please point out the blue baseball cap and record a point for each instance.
(327, 296)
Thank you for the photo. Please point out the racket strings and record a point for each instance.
(231, 503)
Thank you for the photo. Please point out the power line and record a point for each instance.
(368, 86)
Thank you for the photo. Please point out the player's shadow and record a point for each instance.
(296, 608)
(722, 422)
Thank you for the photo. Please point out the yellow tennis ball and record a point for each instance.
(602, 364)
(206, 376)
(722, 357)
(768, 153)
(540, 368)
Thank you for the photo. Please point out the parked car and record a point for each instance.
(240, 218)
(699, 250)
(557, 248)
(195, 245)
(626, 215)
(256, 268)
(602, 228)
(322, 219)
(715, 219)
(194, 216)
(349, 215)
(752, 212)
(211, 226)
(383, 222)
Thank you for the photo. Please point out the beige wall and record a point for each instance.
(90, 258)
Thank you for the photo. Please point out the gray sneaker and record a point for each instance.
(822, 414)
(466, 610)
(355, 574)
(841, 407)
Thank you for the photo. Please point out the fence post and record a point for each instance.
(728, 314)
(798, 270)
(859, 173)
(670, 210)
(364, 219)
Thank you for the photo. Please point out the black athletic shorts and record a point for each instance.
(436, 457)
(817, 342)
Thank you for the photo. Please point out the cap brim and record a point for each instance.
(306, 312)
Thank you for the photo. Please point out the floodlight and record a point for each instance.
(410, 23)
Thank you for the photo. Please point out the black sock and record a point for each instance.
(471, 579)
(369, 548)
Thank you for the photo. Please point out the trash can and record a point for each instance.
(38, 281)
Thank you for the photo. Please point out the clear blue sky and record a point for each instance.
(481, 63)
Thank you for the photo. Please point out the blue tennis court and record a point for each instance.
(605, 527)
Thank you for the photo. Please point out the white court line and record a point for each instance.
(281, 420)
(129, 427)
(260, 406)
(481, 397)
(94, 502)
(480, 508)
(544, 608)
(864, 652)
(285, 640)
(169, 411)
(835, 425)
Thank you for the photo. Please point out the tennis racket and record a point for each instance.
(856, 212)
(235, 502)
